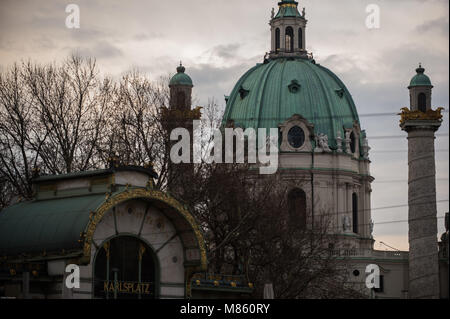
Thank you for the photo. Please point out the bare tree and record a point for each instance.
(17, 127)
(71, 106)
(53, 119)
(136, 135)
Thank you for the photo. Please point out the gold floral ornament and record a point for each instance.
(106, 247)
(141, 251)
(429, 115)
(176, 114)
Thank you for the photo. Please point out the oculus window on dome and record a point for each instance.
(243, 92)
(340, 92)
(296, 137)
(294, 87)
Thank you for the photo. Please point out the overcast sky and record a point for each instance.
(219, 40)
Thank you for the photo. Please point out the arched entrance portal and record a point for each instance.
(125, 268)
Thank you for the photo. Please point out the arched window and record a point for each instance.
(289, 39)
(297, 208)
(277, 40)
(352, 142)
(300, 38)
(422, 102)
(125, 268)
(355, 212)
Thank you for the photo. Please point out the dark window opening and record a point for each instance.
(277, 40)
(297, 208)
(352, 142)
(296, 137)
(422, 102)
(355, 212)
(300, 38)
(289, 39)
(125, 268)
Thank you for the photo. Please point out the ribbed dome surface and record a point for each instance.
(270, 93)
(420, 79)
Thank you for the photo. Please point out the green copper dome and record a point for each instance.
(420, 79)
(181, 78)
(271, 93)
(288, 8)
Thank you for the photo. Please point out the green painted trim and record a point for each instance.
(317, 169)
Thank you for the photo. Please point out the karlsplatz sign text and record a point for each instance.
(127, 287)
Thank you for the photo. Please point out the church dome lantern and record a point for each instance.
(420, 79)
(288, 31)
(181, 78)
(420, 90)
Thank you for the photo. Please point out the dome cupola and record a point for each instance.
(420, 89)
(288, 31)
(181, 78)
(420, 79)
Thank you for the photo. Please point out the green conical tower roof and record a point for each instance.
(288, 8)
(420, 79)
(181, 78)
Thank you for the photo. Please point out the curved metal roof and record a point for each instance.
(46, 225)
(62, 226)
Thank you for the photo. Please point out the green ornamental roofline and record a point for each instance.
(181, 78)
(288, 8)
(420, 79)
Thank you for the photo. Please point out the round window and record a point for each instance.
(296, 137)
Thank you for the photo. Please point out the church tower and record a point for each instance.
(181, 90)
(288, 31)
(180, 115)
(421, 123)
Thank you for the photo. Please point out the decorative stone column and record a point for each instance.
(423, 248)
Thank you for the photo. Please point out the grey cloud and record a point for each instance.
(100, 50)
(228, 51)
(439, 25)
